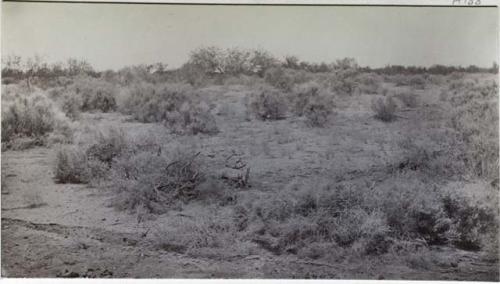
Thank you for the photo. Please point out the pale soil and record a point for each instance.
(51, 229)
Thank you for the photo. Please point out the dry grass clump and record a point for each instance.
(177, 106)
(213, 235)
(384, 109)
(267, 103)
(311, 101)
(34, 117)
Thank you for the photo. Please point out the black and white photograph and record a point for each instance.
(249, 141)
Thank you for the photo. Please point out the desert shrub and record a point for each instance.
(155, 181)
(367, 83)
(71, 105)
(314, 103)
(294, 219)
(192, 118)
(32, 116)
(70, 165)
(342, 82)
(106, 145)
(301, 96)
(430, 157)
(317, 113)
(95, 94)
(177, 106)
(412, 210)
(471, 221)
(475, 120)
(400, 209)
(408, 99)
(457, 75)
(279, 78)
(417, 81)
(267, 103)
(89, 161)
(385, 110)
(192, 75)
(285, 79)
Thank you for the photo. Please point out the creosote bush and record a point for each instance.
(93, 95)
(267, 104)
(139, 173)
(89, 161)
(400, 210)
(32, 116)
(278, 78)
(311, 101)
(474, 117)
(177, 106)
(155, 181)
(70, 165)
(385, 110)
(285, 79)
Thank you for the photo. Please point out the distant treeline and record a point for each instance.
(214, 60)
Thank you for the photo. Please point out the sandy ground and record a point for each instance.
(66, 230)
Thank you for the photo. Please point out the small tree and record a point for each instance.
(261, 61)
(33, 67)
(291, 62)
(208, 59)
(77, 67)
(237, 61)
(11, 66)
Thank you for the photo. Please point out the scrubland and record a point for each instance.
(286, 171)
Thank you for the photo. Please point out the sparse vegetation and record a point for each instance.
(315, 180)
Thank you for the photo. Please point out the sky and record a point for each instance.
(111, 36)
